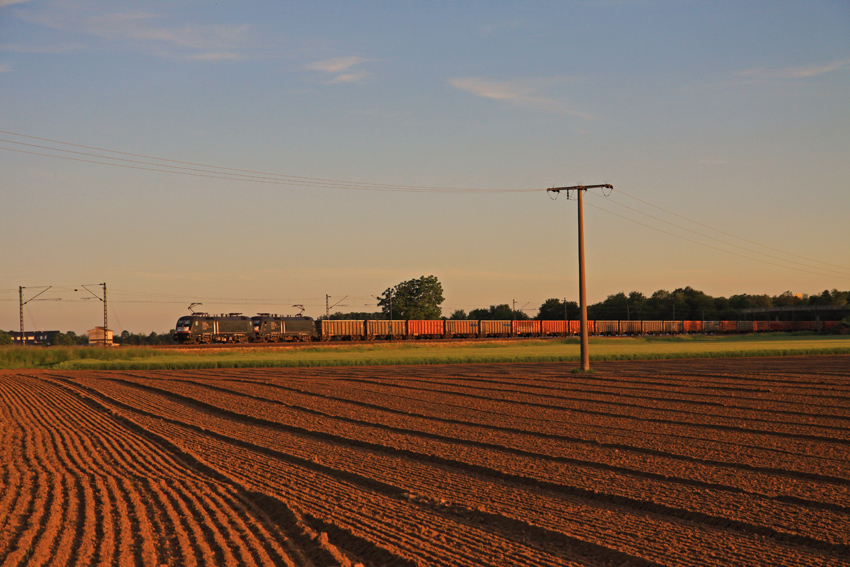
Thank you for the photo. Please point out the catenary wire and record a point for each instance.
(706, 245)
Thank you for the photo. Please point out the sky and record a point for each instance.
(253, 156)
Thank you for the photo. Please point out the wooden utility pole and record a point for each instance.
(582, 291)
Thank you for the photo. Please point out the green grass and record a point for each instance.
(340, 354)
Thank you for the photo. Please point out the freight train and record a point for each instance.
(266, 327)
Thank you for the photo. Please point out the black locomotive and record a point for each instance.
(276, 328)
(238, 328)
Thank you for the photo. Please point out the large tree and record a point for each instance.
(419, 298)
(555, 309)
(501, 312)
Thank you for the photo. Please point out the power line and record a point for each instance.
(845, 273)
(707, 245)
(727, 233)
(233, 174)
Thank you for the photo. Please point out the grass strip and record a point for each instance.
(412, 353)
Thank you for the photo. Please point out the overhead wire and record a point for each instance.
(843, 273)
(704, 244)
(229, 173)
(714, 228)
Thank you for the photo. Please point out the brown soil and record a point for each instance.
(710, 462)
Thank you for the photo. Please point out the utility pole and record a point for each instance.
(582, 292)
(105, 319)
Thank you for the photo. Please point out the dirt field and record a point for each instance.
(709, 462)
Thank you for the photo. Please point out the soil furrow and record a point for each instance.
(614, 459)
(645, 506)
(704, 414)
(740, 462)
(676, 443)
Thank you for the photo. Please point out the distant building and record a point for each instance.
(34, 337)
(96, 337)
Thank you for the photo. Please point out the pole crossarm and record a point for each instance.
(580, 188)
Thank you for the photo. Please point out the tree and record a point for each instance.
(497, 313)
(787, 299)
(64, 339)
(414, 299)
(355, 315)
(6, 338)
(458, 315)
(830, 298)
(555, 309)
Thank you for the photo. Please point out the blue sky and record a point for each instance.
(723, 126)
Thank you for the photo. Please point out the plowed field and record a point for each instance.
(709, 462)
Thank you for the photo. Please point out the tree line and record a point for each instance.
(421, 299)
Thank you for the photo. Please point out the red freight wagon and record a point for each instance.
(575, 327)
(692, 326)
(554, 328)
(728, 326)
(461, 328)
(426, 329)
(526, 328)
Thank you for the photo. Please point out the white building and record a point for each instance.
(96, 337)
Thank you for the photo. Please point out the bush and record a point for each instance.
(843, 328)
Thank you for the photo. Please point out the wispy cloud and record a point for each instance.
(496, 29)
(150, 32)
(217, 56)
(43, 49)
(525, 92)
(349, 78)
(6, 68)
(799, 72)
(337, 67)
